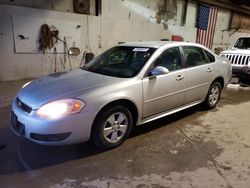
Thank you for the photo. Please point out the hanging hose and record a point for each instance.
(45, 39)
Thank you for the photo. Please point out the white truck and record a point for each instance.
(239, 56)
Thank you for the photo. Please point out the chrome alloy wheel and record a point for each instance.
(214, 95)
(115, 127)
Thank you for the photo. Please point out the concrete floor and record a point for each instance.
(194, 148)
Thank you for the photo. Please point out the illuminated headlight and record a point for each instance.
(26, 84)
(60, 108)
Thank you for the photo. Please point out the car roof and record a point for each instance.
(149, 44)
(158, 44)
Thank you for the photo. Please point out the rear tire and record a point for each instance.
(213, 96)
(112, 127)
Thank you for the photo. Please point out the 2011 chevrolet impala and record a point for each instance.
(128, 85)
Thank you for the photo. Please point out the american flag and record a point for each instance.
(206, 22)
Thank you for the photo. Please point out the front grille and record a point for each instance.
(241, 60)
(23, 106)
(50, 137)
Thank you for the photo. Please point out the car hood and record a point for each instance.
(62, 85)
(236, 51)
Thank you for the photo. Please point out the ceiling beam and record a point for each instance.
(227, 5)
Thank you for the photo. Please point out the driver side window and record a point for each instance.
(170, 59)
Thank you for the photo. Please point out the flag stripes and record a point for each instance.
(207, 17)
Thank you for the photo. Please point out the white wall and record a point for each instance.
(188, 31)
(17, 66)
(99, 34)
(121, 20)
(223, 37)
(58, 5)
(139, 10)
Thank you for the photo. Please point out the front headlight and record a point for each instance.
(60, 108)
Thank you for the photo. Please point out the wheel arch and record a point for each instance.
(119, 102)
(219, 79)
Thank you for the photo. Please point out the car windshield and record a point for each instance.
(120, 61)
(243, 43)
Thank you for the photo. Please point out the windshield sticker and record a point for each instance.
(140, 49)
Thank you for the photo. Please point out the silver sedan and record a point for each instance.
(128, 85)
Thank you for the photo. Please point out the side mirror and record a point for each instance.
(74, 51)
(159, 70)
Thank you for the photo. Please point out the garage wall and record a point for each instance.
(59, 5)
(141, 10)
(225, 38)
(17, 65)
(97, 34)
(188, 31)
(121, 20)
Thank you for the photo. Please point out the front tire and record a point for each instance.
(213, 96)
(112, 127)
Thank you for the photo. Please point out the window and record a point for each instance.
(242, 43)
(169, 59)
(210, 56)
(194, 56)
(115, 58)
(120, 61)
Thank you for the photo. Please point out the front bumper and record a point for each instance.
(241, 72)
(70, 129)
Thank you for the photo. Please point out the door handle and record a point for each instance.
(210, 69)
(179, 77)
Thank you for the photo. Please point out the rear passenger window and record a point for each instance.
(194, 56)
(210, 56)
